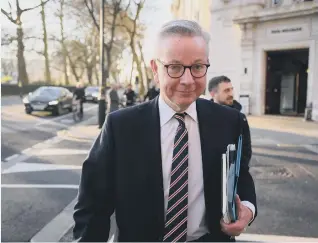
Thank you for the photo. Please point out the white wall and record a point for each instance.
(225, 51)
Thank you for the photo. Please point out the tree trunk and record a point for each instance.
(139, 69)
(132, 68)
(77, 77)
(89, 71)
(144, 64)
(45, 53)
(96, 75)
(23, 78)
(64, 51)
(109, 63)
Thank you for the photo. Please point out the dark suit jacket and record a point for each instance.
(123, 172)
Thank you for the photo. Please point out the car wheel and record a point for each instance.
(28, 111)
(58, 110)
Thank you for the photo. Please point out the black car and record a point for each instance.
(91, 93)
(48, 98)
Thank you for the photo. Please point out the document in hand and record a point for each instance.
(230, 173)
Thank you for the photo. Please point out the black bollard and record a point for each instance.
(101, 112)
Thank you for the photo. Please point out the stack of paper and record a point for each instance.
(230, 173)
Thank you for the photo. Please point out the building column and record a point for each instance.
(246, 72)
(259, 75)
(312, 87)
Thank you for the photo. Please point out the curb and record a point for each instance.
(62, 223)
(58, 227)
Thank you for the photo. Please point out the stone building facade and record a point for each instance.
(269, 49)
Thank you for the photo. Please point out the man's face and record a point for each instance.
(179, 93)
(224, 94)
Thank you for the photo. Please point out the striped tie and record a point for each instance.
(177, 211)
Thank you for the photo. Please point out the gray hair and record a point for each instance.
(183, 27)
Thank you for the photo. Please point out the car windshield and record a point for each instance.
(92, 89)
(47, 91)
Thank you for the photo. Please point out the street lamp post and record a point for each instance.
(101, 101)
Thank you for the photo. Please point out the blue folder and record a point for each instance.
(234, 172)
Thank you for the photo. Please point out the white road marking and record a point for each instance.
(36, 167)
(306, 171)
(11, 157)
(15, 127)
(67, 121)
(20, 158)
(39, 186)
(312, 149)
(274, 238)
(5, 130)
(45, 144)
(25, 151)
(63, 116)
(56, 151)
(262, 141)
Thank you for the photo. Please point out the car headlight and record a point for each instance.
(54, 102)
(25, 100)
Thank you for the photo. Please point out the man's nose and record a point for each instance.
(231, 93)
(187, 77)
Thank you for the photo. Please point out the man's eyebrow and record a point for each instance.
(175, 61)
(199, 60)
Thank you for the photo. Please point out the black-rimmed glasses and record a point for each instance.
(197, 70)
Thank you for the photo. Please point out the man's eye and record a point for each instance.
(175, 68)
(197, 67)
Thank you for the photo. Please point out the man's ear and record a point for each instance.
(154, 68)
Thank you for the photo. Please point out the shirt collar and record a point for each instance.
(166, 112)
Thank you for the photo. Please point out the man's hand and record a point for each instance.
(245, 215)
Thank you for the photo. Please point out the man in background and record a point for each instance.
(113, 98)
(130, 96)
(152, 93)
(221, 91)
(79, 94)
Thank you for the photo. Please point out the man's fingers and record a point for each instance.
(232, 229)
(237, 200)
(239, 205)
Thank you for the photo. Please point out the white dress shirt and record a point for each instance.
(196, 203)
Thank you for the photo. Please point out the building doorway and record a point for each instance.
(286, 82)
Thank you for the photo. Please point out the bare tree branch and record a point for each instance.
(9, 16)
(28, 9)
(32, 37)
(91, 12)
(128, 5)
(7, 39)
(57, 68)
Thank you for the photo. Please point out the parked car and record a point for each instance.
(48, 98)
(91, 93)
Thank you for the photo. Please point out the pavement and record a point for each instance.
(42, 158)
(293, 125)
(40, 170)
